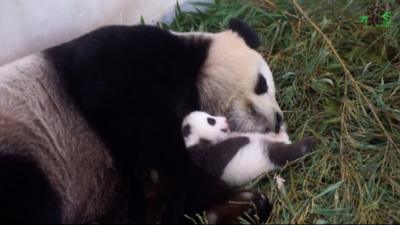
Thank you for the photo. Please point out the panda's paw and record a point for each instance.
(307, 144)
(252, 207)
(259, 210)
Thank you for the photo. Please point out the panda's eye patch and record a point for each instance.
(261, 86)
(211, 121)
(186, 130)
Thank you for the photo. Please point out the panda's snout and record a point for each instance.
(278, 124)
(226, 128)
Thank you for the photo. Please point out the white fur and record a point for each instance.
(250, 162)
(282, 136)
(266, 72)
(200, 129)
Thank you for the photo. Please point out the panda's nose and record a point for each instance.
(278, 121)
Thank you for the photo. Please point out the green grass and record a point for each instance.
(354, 174)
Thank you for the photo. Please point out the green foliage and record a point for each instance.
(354, 175)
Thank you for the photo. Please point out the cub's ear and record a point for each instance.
(246, 32)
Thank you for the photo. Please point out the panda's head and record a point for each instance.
(198, 127)
(237, 82)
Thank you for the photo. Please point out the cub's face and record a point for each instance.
(200, 126)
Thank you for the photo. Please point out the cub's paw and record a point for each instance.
(307, 144)
(252, 207)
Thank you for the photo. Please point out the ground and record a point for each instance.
(338, 79)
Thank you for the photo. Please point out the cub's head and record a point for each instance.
(200, 127)
(237, 82)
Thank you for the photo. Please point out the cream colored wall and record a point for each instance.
(28, 26)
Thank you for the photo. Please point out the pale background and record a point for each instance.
(29, 26)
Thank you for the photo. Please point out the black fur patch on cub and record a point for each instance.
(214, 158)
(281, 153)
(246, 32)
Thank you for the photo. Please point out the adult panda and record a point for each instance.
(81, 132)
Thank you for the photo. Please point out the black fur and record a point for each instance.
(248, 34)
(211, 121)
(261, 86)
(119, 73)
(279, 120)
(214, 158)
(186, 130)
(281, 153)
(27, 196)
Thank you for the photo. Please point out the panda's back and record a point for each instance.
(38, 120)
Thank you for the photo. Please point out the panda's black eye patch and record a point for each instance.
(186, 130)
(261, 86)
(211, 121)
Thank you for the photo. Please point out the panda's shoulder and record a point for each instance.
(110, 41)
(142, 48)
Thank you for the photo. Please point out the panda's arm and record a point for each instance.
(214, 158)
(281, 153)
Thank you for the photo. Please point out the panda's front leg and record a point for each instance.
(281, 153)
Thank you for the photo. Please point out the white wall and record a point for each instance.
(28, 26)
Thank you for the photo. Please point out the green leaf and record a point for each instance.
(333, 120)
(329, 189)
(330, 212)
(320, 221)
(320, 86)
(331, 107)
(142, 22)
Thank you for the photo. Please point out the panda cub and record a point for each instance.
(237, 157)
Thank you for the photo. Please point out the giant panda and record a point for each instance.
(238, 157)
(80, 133)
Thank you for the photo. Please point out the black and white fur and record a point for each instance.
(237, 157)
(78, 121)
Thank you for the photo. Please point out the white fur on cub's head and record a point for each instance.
(199, 126)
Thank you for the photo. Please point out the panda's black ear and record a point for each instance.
(246, 32)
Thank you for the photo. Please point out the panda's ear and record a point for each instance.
(246, 32)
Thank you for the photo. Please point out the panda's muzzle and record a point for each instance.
(274, 127)
(278, 123)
